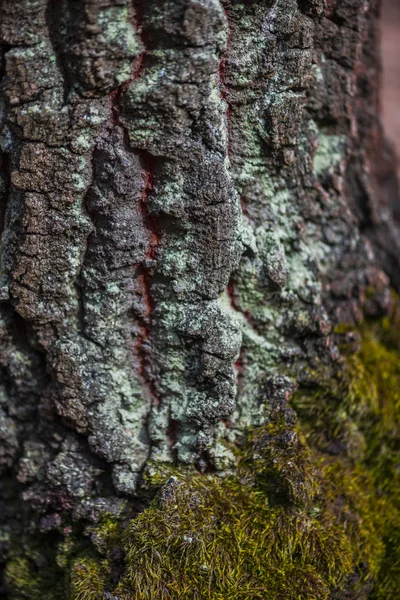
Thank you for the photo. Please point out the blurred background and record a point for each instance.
(391, 69)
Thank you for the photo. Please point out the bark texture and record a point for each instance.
(194, 193)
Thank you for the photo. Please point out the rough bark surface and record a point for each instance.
(193, 194)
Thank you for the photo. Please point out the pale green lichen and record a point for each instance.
(331, 150)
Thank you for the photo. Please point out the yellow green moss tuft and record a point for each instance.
(234, 538)
(278, 462)
(356, 416)
(375, 375)
(88, 578)
(220, 539)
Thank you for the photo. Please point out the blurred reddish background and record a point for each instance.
(391, 69)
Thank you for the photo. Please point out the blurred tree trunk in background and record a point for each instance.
(199, 216)
(391, 69)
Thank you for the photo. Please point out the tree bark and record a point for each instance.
(196, 195)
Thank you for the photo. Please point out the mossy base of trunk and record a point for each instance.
(313, 508)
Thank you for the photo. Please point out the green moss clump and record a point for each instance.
(314, 504)
(376, 368)
(357, 417)
(278, 462)
(75, 567)
(88, 578)
(92, 571)
(222, 540)
(34, 575)
(375, 377)
(291, 524)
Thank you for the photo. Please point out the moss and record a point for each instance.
(379, 373)
(92, 568)
(220, 539)
(305, 513)
(77, 567)
(356, 415)
(278, 462)
(291, 524)
(33, 575)
(88, 578)
(375, 374)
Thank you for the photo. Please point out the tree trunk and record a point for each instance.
(200, 252)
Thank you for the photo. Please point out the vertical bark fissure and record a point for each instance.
(56, 26)
(145, 272)
(5, 173)
(79, 284)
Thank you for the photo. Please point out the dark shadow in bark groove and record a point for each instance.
(56, 23)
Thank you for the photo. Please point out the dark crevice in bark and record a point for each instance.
(139, 14)
(358, 195)
(23, 334)
(5, 173)
(204, 464)
(172, 434)
(3, 50)
(79, 284)
(3, 591)
(146, 272)
(57, 26)
(26, 394)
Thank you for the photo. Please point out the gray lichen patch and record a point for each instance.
(175, 112)
(331, 150)
(289, 163)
